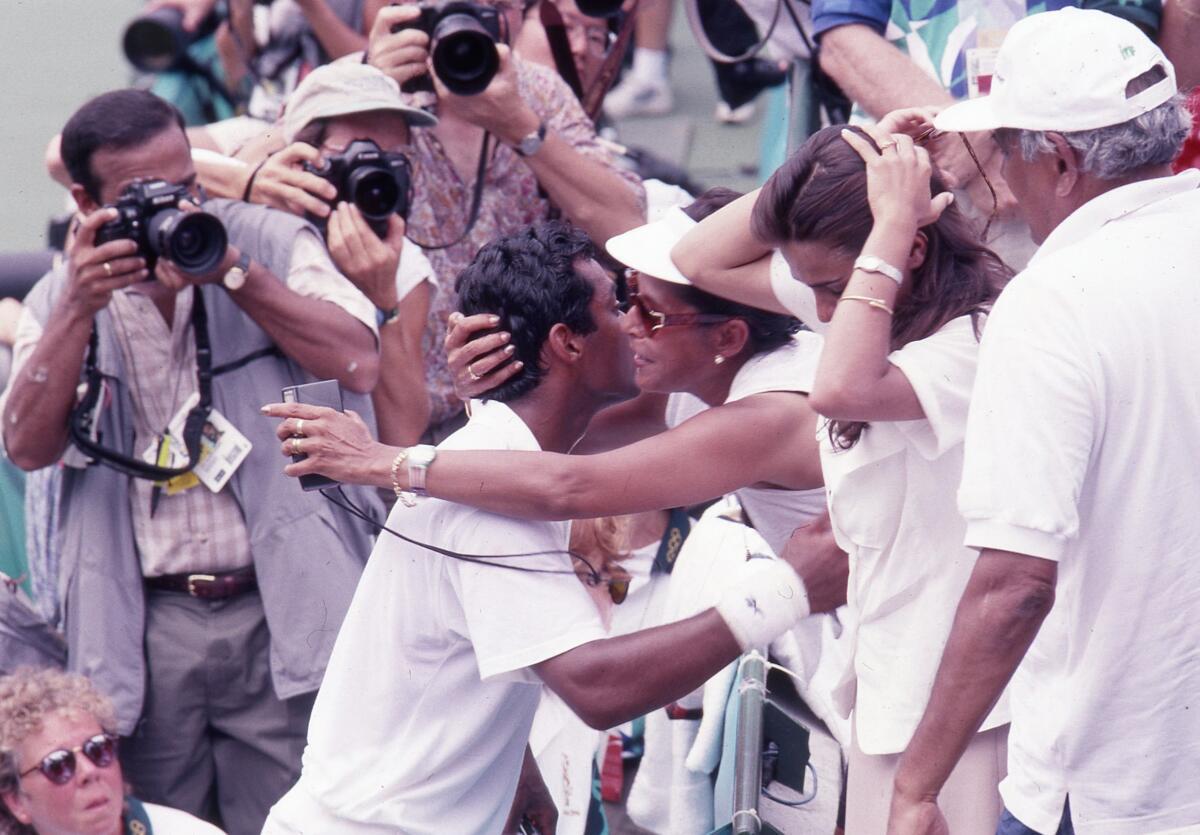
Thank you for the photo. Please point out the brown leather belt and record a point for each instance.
(207, 586)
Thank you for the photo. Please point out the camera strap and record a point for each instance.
(560, 47)
(80, 423)
(476, 198)
(593, 98)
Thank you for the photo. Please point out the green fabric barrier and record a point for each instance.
(13, 559)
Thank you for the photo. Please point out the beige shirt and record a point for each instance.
(195, 530)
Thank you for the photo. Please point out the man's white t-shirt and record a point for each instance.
(422, 720)
(893, 510)
(1083, 447)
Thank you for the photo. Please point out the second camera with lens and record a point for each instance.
(462, 45)
(377, 182)
(149, 214)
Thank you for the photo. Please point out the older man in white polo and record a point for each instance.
(1081, 485)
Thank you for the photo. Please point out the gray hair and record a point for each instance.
(1153, 138)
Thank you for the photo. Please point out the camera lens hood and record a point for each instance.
(374, 191)
(599, 8)
(464, 54)
(157, 41)
(194, 241)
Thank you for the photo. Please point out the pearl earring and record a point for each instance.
(718, 359)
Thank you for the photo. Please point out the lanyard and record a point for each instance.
(678, 527)
(136, 820)
(80, 421)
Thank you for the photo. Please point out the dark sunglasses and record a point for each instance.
(653, 320)
(617, 580)
(932, 133)
(59, 766)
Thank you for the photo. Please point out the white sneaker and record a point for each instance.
(727, 115)
(636, 96)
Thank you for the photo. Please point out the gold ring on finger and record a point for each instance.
(299, 426)
(296, 446)
(886, 146)
(108, 269)
(475, 378)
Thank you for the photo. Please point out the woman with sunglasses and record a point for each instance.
(59, 773)
(905, 285)
(754, 434)
(747, 366)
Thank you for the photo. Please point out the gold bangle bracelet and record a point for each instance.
(401, 494)
(878, 304)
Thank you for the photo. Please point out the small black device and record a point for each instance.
(600, 8)
(157, 42)
(148, 214)
(321, 393)
(462, 45)
(378, 182)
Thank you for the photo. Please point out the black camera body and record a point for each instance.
(378, 182)
(462, 45)
(149, 214)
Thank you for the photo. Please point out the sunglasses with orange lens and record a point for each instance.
(652, 321)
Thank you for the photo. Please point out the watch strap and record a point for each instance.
(874, 264)
(242, 265)
(529, 145)
(418, 459)
(386, 317)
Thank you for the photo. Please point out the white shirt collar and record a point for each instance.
(1113, 205)
(505, 423)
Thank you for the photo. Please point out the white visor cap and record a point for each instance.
(647, 249)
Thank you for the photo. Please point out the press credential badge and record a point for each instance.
(222, 447)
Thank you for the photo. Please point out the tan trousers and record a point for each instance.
(970, 801)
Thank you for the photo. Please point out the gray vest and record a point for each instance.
(308, 554)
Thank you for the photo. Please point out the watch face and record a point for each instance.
(422, 455)
(235, 278)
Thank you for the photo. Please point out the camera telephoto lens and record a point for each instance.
(599, 8)
(464, 55)
(194, 241)
(374, 191)
(156, 42)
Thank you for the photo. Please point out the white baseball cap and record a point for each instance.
(342, 89)
(1065, 71)
(647, 249)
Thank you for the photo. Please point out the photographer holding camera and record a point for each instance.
(344, 167)
(193, 594)
(497, 161)
(253, 51)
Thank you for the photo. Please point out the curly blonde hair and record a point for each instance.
(27, 697)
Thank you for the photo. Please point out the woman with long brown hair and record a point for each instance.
(904, 284)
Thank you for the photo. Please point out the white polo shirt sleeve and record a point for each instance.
(793, 294)
(312, 273)
(1031, 427)
(29, 331)
(414, 267)
(519, 618)
(941, 371)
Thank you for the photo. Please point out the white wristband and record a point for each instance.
(765, 599)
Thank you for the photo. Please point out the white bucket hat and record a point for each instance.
(342, 89)
(1065, 70)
